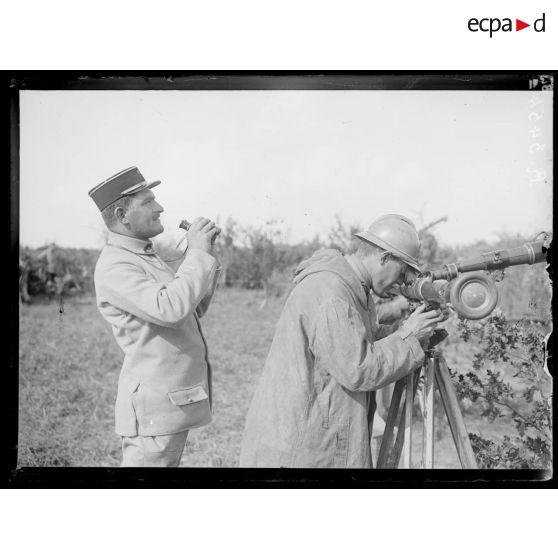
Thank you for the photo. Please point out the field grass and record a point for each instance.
(69, 366)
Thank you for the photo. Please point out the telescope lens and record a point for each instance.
(474, 295)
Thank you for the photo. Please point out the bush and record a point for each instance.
(509, 380)
(53, 270)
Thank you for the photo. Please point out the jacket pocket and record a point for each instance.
(187, 396)
(193, 402)
(134, 387)
(324, 402)
(126, 407)
(341, 445)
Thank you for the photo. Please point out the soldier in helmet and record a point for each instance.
(315, 401)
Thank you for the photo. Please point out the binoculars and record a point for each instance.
(186, 225)
(465, 285)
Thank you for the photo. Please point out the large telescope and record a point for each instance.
(472, 294)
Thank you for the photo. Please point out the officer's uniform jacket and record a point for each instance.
(314, 404)
(165, 381)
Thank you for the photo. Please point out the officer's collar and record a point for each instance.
(136, 245)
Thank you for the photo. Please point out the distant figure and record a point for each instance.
(164, 388)
(67, 283)
(315, 402)
(47, 255)
(24, 267)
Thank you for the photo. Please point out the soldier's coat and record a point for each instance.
(314, 402)
(165, 381)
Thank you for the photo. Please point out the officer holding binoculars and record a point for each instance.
(164, 388)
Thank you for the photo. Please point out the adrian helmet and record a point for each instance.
(396, 234)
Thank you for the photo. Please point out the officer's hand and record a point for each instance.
(421, 324)
(202, 233)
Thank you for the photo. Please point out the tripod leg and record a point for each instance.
(428, 440)
(401, 431)
(408, 441)
(455, 418)
(387, 438)
(421, 396)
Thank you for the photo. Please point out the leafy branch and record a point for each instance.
(517, 348)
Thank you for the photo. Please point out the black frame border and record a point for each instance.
(78, 477)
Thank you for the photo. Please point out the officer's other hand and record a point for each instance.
(421, 323)
(202, 233)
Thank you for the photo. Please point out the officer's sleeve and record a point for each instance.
(206, 300)
(387, 329)
(340, 346)
(128, 287)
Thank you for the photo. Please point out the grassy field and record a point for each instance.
(69, 365)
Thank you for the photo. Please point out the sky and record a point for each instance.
(483, 159)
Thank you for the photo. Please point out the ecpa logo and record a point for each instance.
(494, 24)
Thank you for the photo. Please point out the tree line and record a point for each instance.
(260, 258)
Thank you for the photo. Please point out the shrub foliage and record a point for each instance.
(508, 379)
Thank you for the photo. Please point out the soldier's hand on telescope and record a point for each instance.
(421, 323)
(202, 234)
(445, 308)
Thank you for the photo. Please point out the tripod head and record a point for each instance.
(438, 335)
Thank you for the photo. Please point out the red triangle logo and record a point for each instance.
(519, 25)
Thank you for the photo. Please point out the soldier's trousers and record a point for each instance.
(153, 451)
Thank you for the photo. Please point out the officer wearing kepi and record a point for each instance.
(315, 401)
(164, 388)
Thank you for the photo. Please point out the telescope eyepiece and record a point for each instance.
(410, 275)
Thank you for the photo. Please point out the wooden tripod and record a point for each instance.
(435, 371)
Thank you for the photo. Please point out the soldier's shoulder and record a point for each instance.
(323, 279)
(111, 256)
(319, 287)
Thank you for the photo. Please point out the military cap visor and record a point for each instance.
(125, 183)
